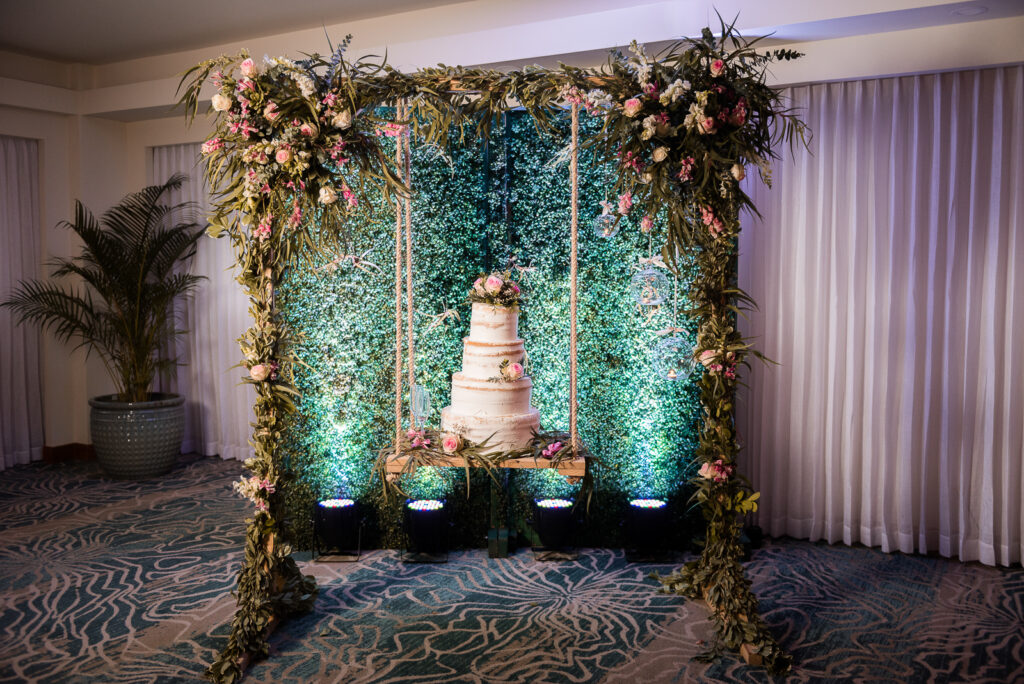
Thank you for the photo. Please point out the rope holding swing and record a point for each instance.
(398, 293)
(574, 437)
(405, 136)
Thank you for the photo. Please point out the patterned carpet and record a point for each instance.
(105, 581)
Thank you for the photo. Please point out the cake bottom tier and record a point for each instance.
(503, 433)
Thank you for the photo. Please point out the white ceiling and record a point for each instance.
(105, 31)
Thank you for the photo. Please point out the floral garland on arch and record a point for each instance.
(298, 144)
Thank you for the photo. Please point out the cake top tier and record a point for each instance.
(494, 324)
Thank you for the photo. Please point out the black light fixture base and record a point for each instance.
(325, 532)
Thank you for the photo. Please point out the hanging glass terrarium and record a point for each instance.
(673, 358)
(605, 226)
(650, 287)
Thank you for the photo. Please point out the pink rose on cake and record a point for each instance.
(450, 442)
(512, 371)
(493, 284)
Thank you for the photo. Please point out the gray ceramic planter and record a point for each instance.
(135, 440)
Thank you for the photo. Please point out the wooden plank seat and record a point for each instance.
(569, 467)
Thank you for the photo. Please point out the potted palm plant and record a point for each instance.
(133, 264)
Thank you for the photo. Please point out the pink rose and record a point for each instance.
(259, 372)
(625, 203)
(493, 284)
(632, 107)
(450, 443)
(706, 472)
(248, 68)
(708, 125)
(551, 449)
(418, 438)
(514, 371)
(283, 155)
(478, 285)
(306, 130)
(707, 356)
(270, 112)
(717, 67)
(646, 224)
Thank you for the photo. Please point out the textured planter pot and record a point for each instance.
(136, 440)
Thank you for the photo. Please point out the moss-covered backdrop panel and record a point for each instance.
(492, 205)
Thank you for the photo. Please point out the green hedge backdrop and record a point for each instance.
(488, 205)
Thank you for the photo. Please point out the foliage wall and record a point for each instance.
(485, 205)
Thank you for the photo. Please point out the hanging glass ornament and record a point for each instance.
(420, 404)
(605, 226)
(673, 358)
(650, 287)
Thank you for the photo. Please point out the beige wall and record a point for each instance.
(96, 124)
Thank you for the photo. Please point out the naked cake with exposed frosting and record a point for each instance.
(491, 394)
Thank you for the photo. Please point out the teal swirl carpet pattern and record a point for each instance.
(105, 581)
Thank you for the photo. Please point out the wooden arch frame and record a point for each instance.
(298, 139)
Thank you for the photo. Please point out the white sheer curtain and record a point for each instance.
(889, 270)
(21, 377)
(218, 406)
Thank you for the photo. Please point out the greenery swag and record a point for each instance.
(297, 141)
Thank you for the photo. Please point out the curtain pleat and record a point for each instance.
(887, 267)
(21, 377)
(218, 405)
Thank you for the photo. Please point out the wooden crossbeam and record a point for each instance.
(570, 467)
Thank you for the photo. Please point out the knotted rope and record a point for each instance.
(405, 136)
(574, 437)
(399, 163)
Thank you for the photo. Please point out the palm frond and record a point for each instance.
(127, 264)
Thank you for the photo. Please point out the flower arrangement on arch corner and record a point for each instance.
(496, 289)
(684, 127)
(288, 140)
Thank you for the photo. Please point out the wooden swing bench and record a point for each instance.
(570, 467)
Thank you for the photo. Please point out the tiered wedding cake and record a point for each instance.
(491, 396)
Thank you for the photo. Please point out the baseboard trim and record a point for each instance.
(75, 451)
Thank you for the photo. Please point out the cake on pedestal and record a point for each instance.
(491, 395)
